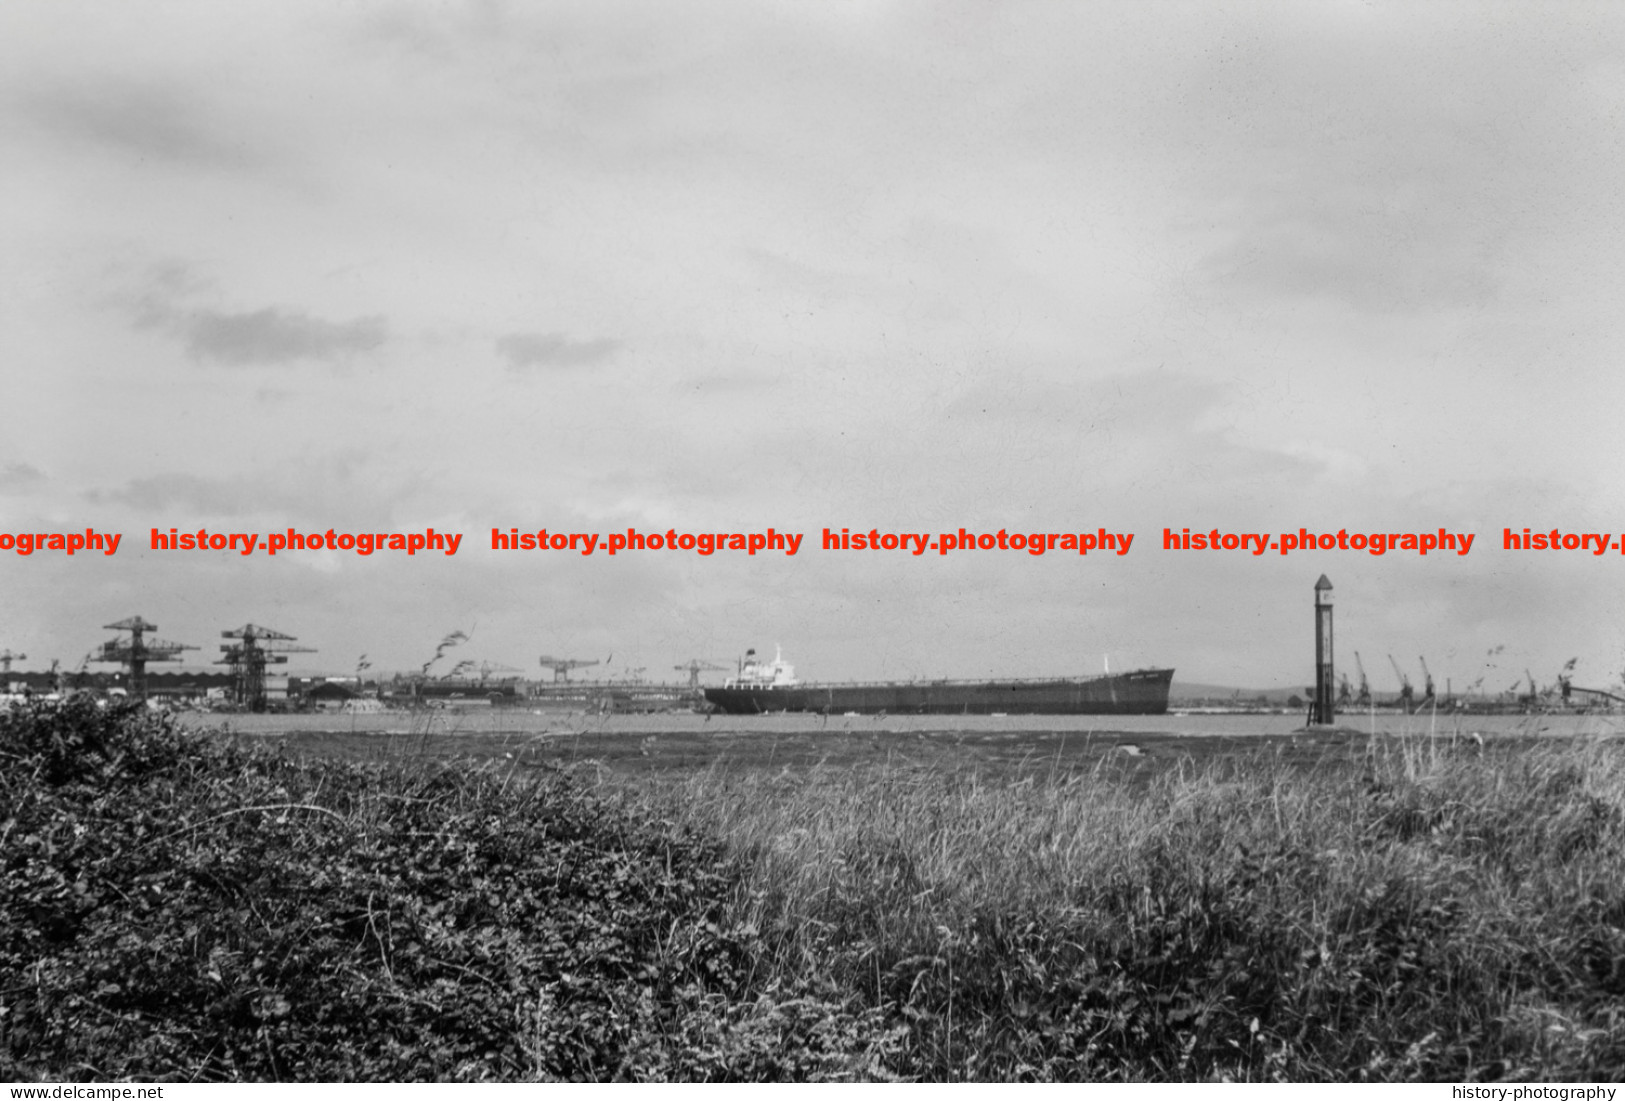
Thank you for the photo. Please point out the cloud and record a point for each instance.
(143, 120)
(248, 337)
(342, 488)
(207, 496)
(524, 350)
(20, 478)
(271, 336)
(1403, 161)
(1376, 252)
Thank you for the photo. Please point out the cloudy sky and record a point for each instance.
(906, 266)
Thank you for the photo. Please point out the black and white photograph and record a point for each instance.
(907, 541)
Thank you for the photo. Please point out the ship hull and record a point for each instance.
(1144, 692)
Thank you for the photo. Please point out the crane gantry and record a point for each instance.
(1405, 689)
(135, 651)
(694, 667)
(255, 648)
(561, 666)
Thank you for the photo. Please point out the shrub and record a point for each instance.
(172, 907)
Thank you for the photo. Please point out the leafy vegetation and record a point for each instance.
(173, 907)
(176, 906)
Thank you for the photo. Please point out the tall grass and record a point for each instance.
(1427, 909)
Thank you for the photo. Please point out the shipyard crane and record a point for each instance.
(561, 666)
(7, 657)
(255, 648)
(1565, 678)
(1427, 679)
(1529, 700)
(1344, 695)
(84, 668)
(134, 652)
(1405, 689)
(1364, 698)
(694, 667)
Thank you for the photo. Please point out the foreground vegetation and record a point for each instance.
(174, 906)
(1424, 911)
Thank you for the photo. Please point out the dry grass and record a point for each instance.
(1431, 908)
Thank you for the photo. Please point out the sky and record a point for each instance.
(911, 267)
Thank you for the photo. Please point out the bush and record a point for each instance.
(172, 907)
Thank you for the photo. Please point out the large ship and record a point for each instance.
(763, 687)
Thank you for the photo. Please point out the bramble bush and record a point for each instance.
(173, 906)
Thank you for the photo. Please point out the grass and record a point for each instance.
(1424, 909)
(1349, 909)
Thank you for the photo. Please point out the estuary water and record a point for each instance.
(523, 721)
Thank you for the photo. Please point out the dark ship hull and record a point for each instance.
(1143, 692)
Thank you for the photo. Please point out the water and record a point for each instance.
(518, 721)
